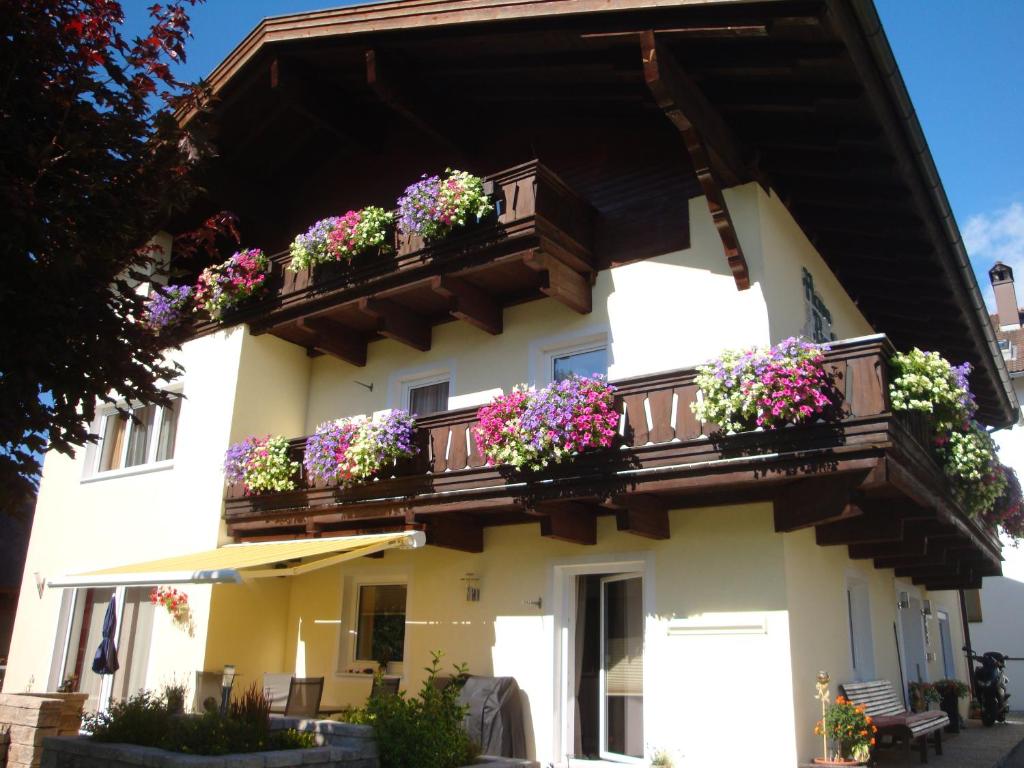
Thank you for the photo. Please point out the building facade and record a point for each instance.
(652, 210)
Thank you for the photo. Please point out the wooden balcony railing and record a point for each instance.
(537, 243)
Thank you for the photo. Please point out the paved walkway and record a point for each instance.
(974, 747)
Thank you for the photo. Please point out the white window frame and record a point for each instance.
(861, 637)
(94, 453)
(546, 351)
(401, 383)
(562, 596)
(349, 630)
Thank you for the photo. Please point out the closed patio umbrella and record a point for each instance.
(105, 662)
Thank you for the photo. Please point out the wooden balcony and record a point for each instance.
(536, 244)
(868, 482)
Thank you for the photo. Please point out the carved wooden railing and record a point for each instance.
(538, 221)
(656, 412)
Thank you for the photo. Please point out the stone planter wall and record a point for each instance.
(82, 752)
(27, 719)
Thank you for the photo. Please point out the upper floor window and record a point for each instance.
(584, 362)
(425, 399)
(146, 435)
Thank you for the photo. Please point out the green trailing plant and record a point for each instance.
(423, 731)
(926, 382)
(968, 456)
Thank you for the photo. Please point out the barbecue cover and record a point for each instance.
(495, 717)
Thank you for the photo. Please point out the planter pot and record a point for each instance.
(840, 761)
(951, 706)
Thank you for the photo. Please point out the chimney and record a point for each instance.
(1006, 296)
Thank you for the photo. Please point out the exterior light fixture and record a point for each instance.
(926, 608)
(472, 587)
(227, 682)
(904, 601)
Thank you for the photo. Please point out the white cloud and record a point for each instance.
(996, 236)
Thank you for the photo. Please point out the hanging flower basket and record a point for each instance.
(176, 605)
(768, 388)
(357, 449)
(225, 286)
(435, 206)
(166, 307)
(339, 239)
(261, 465)
(534, 428)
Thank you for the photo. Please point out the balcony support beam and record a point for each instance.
(469, 303)
(333, 338)
(561, 282)
(460, 532)
(642, 515)
(715, 154)
(816, 501)
(397, 322)
(571, 521)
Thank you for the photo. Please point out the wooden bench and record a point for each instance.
(892, 719)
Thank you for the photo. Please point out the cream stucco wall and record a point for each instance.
(723, 566)
(816, 579)
(234, 384)
(668, 312)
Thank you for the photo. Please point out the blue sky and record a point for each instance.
(961, 62)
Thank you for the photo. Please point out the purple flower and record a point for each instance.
(961, 375)
(166, 306)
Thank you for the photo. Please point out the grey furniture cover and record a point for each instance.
(495, 717)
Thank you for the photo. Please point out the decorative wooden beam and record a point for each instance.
(333, 338)
(713, 151)
(460, 532)
(815, 501)
(859, 530)
(641, 514)
(561, 282)
(397, 322)
(293, 84)
(469, 303)
(383, 82)
(570, 521)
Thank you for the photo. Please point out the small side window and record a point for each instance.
(588, 362)
(428, 398)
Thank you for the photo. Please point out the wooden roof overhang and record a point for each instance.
(867, 482)
(339, 108)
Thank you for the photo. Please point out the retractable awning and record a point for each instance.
(234, 563)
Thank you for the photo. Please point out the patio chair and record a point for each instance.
(304, 694)
(382, 685)
(276, 686)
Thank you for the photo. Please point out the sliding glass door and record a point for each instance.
(622, 667)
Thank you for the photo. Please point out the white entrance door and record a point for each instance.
(622, 668)
(915, 663)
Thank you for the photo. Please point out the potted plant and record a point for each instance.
(342, 238)
(166, 307)
(435, 206)
(534, 428)
(356, 449)
(850, 734)
(224, 286)
(922, 695)
(261, 464)
(749, 389)
(951, 691)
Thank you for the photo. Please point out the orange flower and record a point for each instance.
(872, 742)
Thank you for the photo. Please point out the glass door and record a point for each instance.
(622, 668)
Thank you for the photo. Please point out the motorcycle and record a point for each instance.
(991, 686)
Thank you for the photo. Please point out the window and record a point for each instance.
(428, 398)
(858, 612)
(145, 436)
(589, 362)
(380, 623)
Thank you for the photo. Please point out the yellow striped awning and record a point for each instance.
(234, 563)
